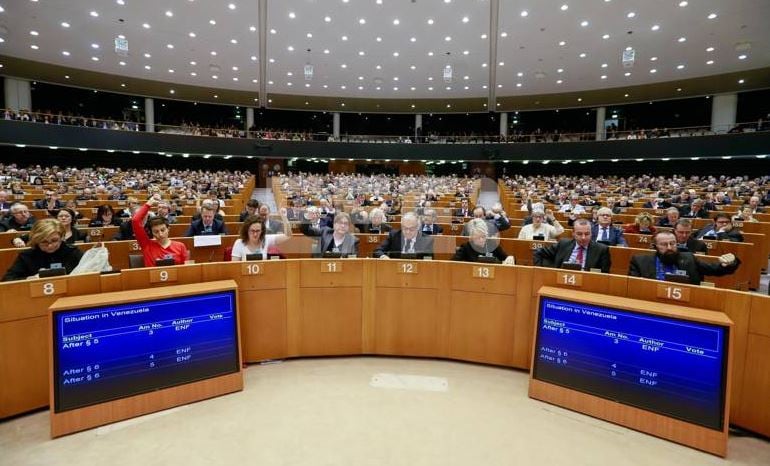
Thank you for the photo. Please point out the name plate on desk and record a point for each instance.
(372, 239)
(161, 276)
(252, 268)
(331, 267)
(407, 267)
(47, 288)
(569, 279)
(536, 245)
(94, 232)
(482, 271)
(673, 292)
(710, 244)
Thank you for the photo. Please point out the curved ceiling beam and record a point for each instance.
(494, 15)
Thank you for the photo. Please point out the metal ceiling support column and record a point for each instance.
(494, 17)
(262, 18)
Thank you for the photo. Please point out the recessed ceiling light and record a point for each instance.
(655, 27)
(253, 58)
(231, 6)
(678, 89)
(503, 34)
(524, 13)
(606, 36)
(65, 53)
(430, 21)
(624, 95)
(559, 81)
(362, 21)
(604, 76)
(343, 66)
(290, 48)
(326, 51)
(171, 91)
(627, 73)
(562, 43)
(483, 36)
(34, 33)
(271, 60)
(584, 23)
(710, 62)
(604, 65)
(95, 58)
(712, 16)
(328, 19)
(122, 63)
(580, 99)
(170, 46)
(192, 34)
(560, 70)
(309, 35)
(65, 24)
(683, 4)
(34, 47)
(396, 22)
(653, 71)
(395, 54)
(169, 13)
(630, 14)
(710, 49)
(145, 25)
(292, 15)
(564, 7)
(193, 73)
(273, 31)
(94, 46)
(653, 58)
(680, 67)
(682, 39)
(94, 14)
(502, 63)
(344, 37)
(412, 39)
(430, 88)
(253, 28)
(361, 53)
(430, 78)
(233, 41)
(465, 19)
(517, 85)
(582, 55)
(742, 57)
(214, 76)
(483, 65)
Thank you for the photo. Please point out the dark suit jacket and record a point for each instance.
(423, 244)
(274, 226)
(616, 235)
(467, 253)
(43, 204)
(196, 228)
(696, 245)
(368, 228)
(555, 255)
(661, 205)
(686, 212)
(733, 235)
(644, 266)
(435, 230)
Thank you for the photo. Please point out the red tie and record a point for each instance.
(579, 257)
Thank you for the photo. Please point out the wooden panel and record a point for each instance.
(524, 317)
(23, 365)
(481, 327)
(329, 320)
(499, 281)
(142, 278)
(760, 316)
(753, 410)
(316, 273)
(263, 325)
(271, 276)
(16, 302)
(701, 297)
(389, 273)
(409, 321)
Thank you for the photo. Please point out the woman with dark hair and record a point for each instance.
(105, 217)
(161, 246)
(47, 250)
(71, 234)
(255, 240)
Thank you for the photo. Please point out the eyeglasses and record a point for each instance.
(255, 231)
(50, 241)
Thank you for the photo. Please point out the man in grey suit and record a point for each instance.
(272, 226)
(579, 250)
(408, 239)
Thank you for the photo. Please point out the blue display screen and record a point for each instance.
(660, 364)
(112, 352)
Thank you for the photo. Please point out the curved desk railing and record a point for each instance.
(319, 307)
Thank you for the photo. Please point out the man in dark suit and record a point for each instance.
(18, 219)
(408, 239)
(337, 239)
(5, 206)
(672, 216)
(684, 239)
(722, 229)
(50, 203)
(207, 224)
(251, 209)
(272, 226)
(463, 213)
(580, 250)
(657, 203)
(604, 231)
(694, 210)
(429, 226)
(668, 260)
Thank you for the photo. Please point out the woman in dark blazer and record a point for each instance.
(480, 245)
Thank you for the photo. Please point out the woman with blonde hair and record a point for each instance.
(47, 250)
(643, 225)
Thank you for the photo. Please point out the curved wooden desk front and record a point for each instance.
(320, 307)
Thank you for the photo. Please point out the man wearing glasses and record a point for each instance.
(669, 260)
(19, 220)
(721, 229)
(408, 240)
(604, 232)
